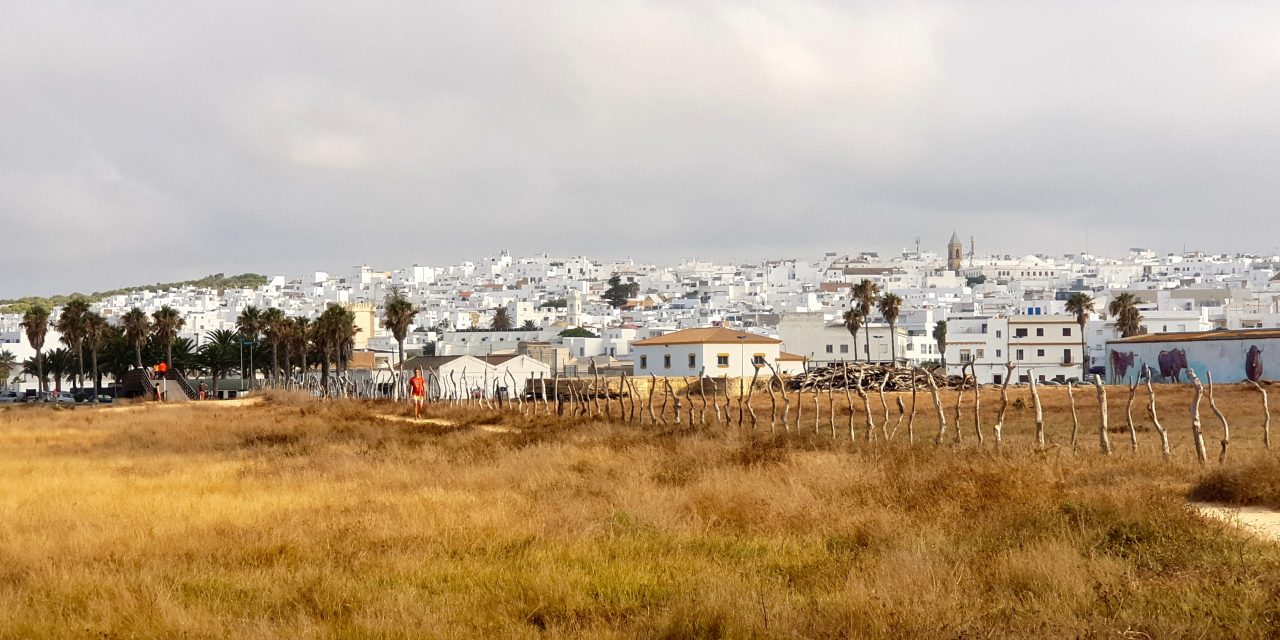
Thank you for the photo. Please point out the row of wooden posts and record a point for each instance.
(594, 397)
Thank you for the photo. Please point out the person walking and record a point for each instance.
(417, 392)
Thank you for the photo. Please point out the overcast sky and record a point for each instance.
(145, 141)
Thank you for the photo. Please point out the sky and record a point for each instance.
(145, 141)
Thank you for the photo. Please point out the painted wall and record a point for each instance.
(1227, 359)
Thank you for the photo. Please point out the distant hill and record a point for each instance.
(215, 281)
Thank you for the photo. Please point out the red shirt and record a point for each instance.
(418, 385)
(162, 367)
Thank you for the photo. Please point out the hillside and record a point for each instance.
(214, 281)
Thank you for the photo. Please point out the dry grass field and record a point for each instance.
(295, 518)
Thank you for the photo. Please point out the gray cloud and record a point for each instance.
(150, 140)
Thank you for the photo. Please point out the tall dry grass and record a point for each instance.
(305, 519)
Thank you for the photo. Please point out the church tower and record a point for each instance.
(955, 253)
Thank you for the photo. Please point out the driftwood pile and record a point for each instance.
(860, 375)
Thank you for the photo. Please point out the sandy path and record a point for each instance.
(438, 421)
(1258, 521)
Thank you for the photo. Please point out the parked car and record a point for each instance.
(55, 397)
(8, 397)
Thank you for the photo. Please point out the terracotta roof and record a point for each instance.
(783, 356)
(1197, 336)
(707, 335)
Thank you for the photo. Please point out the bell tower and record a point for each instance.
(955, 253)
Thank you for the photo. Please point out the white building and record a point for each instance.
(711, 351)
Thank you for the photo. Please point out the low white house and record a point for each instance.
(521, 367)
(710, 351)
(455, 376)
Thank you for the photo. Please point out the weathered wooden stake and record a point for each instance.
(1266, 415)
(1035, 400)
(1226, 428)
(1104, 440)
(750, 391)
(964, 379)
(998, 430)
(911, 420)
(884, 404)
(848, 397)
(653, 385)
(937, 405)
(977, 407)
(1151, 411)
(1128, 415)
(1197, 434)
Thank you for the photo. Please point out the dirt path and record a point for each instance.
(440, 422)
(1258, 521)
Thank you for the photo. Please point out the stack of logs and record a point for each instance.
(854, 375)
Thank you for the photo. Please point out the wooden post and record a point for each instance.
(773, 400)
(1075, 419)
(866, 406)
(884, 404)
(675, 399)
(1128, 416)
(786, 406)
(715, 402)
(741, 414)
(1226, 428)
(728, 404)
(1266, 415)
(998, 430)
(750, 391)
(702, 391)
(911, 421)
(1197, 433)
(937, 405)
(817, 409)
(693, 409)
(831, 407)
(964, 380)
(1035, 400)
(799, 403)
(1104, 440)
(1151, 411)
(653, 384)
(902, 414)
(848, 397)
(977, 406)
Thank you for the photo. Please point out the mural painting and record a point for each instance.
(1172, 363)
(1253, 364)
(1121, 362)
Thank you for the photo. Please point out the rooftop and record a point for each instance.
(707, 335)
(1197, 336)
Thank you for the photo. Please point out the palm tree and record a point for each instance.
(1125, 309)
(501, 320)
(35, 367)
(397, 316)
(117, 356)
(219, 354)
(865, 294)
(96, 333)
(249, 325)
(273, 328)
(8, 362)
(71, 325)
(940, 337)
(335, 336)
(890, 306)
(60, 363)
(167, 322)
(529, 325)
(852, 323)
(136, 326)
(1081, 304)
(300, 335)
(36, 324)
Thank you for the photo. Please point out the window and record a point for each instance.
(830, 349)
(1066, 356)
(997, 378)
(644, 362)
(964, 355)
(1039, 332)
(1066, 332)
(1024, 378)
(1039, 353)
(666, 361)
(844, 348)
(998, 333)
(980, 354)
(722, 360)
(999, 353)
(1019, 333)
(758, 359)
(1019, 355)
(693, 361)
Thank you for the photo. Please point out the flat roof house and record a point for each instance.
(713, 352)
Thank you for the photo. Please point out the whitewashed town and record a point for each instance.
(506, 317)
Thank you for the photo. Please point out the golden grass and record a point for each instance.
(321, 520)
